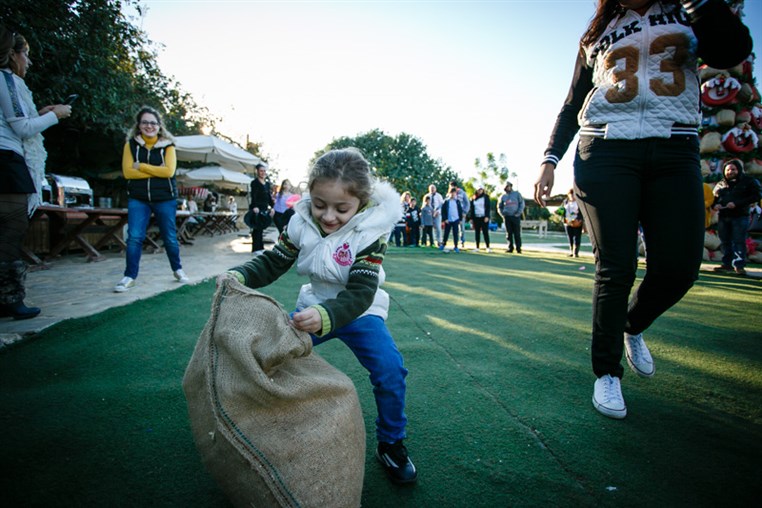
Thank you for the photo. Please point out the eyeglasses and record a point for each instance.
(152, 124)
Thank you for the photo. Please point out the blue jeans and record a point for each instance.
(732, 232)
(372, 344)
(138, 216)
(621, 184)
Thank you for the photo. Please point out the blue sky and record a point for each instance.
(466, 78)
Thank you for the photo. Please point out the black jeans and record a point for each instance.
(575, 237)
(428, 232)
(733, 232)
(480, 226)
(453, 226)
(620, 184)
(513, 232)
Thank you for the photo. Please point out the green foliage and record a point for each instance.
(492, 174)
(90, 48)
(533, 211)
(402, 160)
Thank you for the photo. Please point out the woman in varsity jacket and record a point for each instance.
(148, 163)
(634, 99)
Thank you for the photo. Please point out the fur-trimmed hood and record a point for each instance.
(161, 142)
(381, 214)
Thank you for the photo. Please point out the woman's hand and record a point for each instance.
(308, 320)
(544, 184)
(61, 110)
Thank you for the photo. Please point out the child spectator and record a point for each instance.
(427, 220)
(413, 223)
(452, 211)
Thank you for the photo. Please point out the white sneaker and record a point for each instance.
(474, 250)
(180, 276)
(638, 356)
(258, 252)
(489, 250)
(124, 285)
(607, 397)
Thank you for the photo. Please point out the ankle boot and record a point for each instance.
(18, 310)
(12, 292)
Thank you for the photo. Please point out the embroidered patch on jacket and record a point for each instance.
(343, 255)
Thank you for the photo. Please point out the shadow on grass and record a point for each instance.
(498, 396)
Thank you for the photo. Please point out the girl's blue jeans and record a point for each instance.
(372, 344)
(138, 216)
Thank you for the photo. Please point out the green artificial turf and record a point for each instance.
(498, 399)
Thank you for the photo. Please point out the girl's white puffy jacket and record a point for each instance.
(326, 260)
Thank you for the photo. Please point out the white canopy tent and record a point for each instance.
(219, 176)
(213, 149)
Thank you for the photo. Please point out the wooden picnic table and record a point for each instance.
(217, 222)
(92, 229)
(85, 221)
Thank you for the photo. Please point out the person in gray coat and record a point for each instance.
(510, 207)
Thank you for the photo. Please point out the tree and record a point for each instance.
(90, 48)
(492, 174)
(402, 160)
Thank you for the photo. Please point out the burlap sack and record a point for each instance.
(275, 424)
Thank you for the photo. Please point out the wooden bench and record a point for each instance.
(540, 225)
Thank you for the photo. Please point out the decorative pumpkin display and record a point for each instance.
(754, 167)
(710, 142)
(719, 90)
(731, 126)
(747, 93)
(743, 116)
(756, 117)
(740, 139)
(726, 118)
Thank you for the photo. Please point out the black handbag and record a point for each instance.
(261, 220)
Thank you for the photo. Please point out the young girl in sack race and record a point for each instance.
(337, 237)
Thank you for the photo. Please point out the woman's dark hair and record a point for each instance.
(7, 44)
(608, 10)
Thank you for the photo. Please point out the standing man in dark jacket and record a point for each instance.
(733, 196)
(510, 207)
(261, 207)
